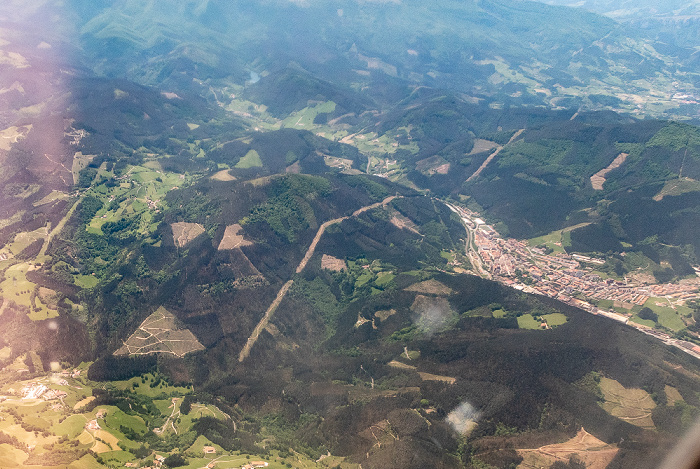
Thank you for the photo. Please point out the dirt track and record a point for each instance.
(493, 155)
(285, 288)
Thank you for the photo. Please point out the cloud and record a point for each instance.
(432, 315)
(463, 419)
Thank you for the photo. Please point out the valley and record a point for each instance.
(571, 280)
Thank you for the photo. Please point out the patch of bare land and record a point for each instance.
(263, 181)
(293, 168)
(384, 314)
(494, 155)
(379, 434)
(598, 179)
(432, 377)
(430, 287)
(677, 187)
(184, 233)
(233, 238)
(594, 453)
(360, 321)
(332, 263)
(404, 223)
(643, 278)
(160, 333)
(80, 162)
(398, 364)
(12, 135)
(223, 175)
(481, 145)
(433, 165)
(343, 164)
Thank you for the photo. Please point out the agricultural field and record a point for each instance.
(554, 319)
(139, 195)
(304, 119)
(670, 316)
(55, 424)
(631, 405)
(250, 160)
(527, 321)
(15, 287)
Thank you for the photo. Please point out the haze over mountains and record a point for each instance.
(229, 228)
(517, 53)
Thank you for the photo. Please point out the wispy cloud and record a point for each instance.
(463, 419)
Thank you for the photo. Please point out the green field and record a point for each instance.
(555, 319)
(304, 119)
(115, 418)
(384, 279)
(109, 442)
(72, 426)
(145, 389)
(552, 240)
(24, 239)
(250, 160)
(17, 288)
(526, 321)
(86, 281)
(669, 317)
(11, 457)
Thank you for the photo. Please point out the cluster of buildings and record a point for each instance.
(75, 373)
(41, 391)
(561, 276)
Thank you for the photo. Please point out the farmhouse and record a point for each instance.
(92, 425)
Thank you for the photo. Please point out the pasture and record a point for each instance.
(527, 321)
(631, 405)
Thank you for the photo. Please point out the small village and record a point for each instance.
(569, 278)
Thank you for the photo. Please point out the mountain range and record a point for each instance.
(236, 229)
